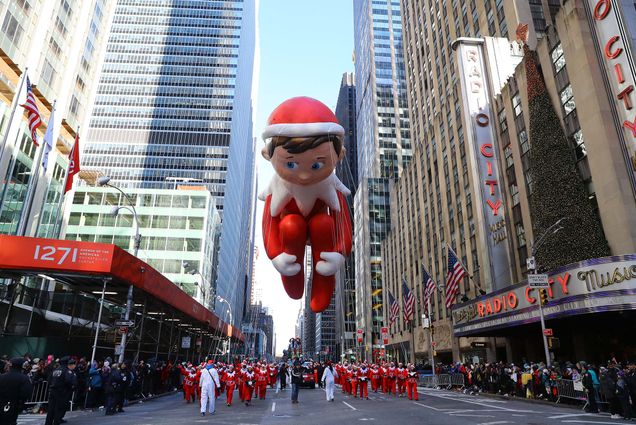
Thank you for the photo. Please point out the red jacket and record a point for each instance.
(363, 375)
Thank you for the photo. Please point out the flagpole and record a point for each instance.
(14, 106)
(60, 206)
(430, 335)
(33, 183)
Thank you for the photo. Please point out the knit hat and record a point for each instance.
(302, 117)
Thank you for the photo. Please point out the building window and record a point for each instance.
(558, 59)
(521, 234)
(12, 29)
(523, 141)
(579, 145)
(503, 123)
(516, 104)
(567, 99)
(514, 192)
(48, 72)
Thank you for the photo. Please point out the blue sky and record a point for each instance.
(305, 47)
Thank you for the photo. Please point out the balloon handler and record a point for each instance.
(305, 202)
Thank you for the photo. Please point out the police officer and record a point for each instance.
(15, 389)
(63, 382)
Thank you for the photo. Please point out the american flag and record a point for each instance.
(395, 309)
(34, 114)
(409, 301)
(456, 273)
(429, 285)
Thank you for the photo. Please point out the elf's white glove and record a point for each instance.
(333, 261)
(286, 264)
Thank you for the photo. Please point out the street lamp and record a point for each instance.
(201, 292)
(534, 247)
(105, 181)
(229, 337)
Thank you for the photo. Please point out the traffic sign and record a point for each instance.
(122, 322)
(538, 281)
(548, 332)
(185, 342)
(531, 263)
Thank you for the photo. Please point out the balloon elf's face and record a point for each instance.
(304, 161)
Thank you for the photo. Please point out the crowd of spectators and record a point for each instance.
(609, 387)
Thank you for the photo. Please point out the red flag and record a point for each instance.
(73, 164)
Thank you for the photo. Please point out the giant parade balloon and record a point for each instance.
(305, 201)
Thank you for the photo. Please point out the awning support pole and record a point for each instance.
(99, 321)
(158, 339)
(141, 330)
(70, 325)
(14, 298)
(171, 331)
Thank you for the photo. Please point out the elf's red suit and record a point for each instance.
(375, 379)
(190, 381)
(363, 382)
(230, 383)
(248, 386)
(261, 382)
(400, 375)
(411, 385)
(391, 375)
(273, 372)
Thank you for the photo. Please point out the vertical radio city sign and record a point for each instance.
(611, 22)
(478, 125)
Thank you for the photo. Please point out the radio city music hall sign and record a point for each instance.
(480, 134)
(614, 46)
(594, 285)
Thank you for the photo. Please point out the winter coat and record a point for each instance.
(608, 386)
(95, 378)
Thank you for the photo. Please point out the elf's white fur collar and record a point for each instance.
(283, 191)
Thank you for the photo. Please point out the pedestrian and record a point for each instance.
(63, 382)
(209, 382)
(608, 389)
(622, 393)
(15, 390)
(95, 386)
(112, 382)
(282, 376)
(124, 372)
(589, 376)
(329, 377)
(296, 380)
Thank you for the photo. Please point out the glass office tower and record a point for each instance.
(174, 108)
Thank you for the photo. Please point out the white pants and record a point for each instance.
(329, 387)
(208, 398)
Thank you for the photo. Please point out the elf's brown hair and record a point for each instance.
(295, 145)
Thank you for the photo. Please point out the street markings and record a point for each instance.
(569, 415)
(495, 423)
(350, 406)
(428, 407)
(273, 407)
(589, 422)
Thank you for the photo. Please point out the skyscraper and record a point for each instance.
(174, 108)
(347, 171)
(62, 44)
(441, 187)
(383, 147)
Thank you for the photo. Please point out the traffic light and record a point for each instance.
(543, 296)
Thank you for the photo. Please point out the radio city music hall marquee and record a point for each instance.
(480, 134)
(602, 284)
(613, 45)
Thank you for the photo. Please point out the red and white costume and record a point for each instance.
(273, 373)
(401, 375)
(261, 382)
(411, 385)
(363, 382)
(375, 379)
(229, 378)
(299, 215)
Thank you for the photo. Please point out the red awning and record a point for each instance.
(79, 262)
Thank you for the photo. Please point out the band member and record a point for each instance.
(391, 374)
(411, 383)
(375, 378)
(229, 379)
(249, 381)
(400, 375)
(363, 381)
(273, 373)
(261, 381)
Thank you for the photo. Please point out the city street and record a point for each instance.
(434, 407)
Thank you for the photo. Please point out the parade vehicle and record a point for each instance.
(308, 376)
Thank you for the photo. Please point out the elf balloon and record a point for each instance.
(305, 202)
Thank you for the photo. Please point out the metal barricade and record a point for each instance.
(457, 380)
(444, 381)
(40, 394)
(566, 388)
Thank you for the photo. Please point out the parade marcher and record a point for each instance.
(229, 378)
(329, 379)
(353, 377)
(384, 375)
(240, 380)
(375, 378)
(189, 382)
(273, 372)
(261, 381)
(363, 381)
(15, 389)
(391, 373)
(249, 381)
(411, 383)
(296, 380)
(209, 382)
(400, 376)
(282, 374)
(62, 384)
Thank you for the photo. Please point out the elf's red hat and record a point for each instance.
(302, 117)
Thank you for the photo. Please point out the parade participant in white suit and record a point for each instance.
(328, 377)
(209, 382)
